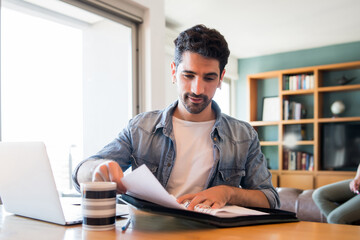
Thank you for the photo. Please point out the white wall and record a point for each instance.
(152, 58)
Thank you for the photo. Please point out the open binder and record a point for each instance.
(273, 216)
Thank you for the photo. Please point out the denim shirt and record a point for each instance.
(149, 139)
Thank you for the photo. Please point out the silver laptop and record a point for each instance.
(27, 185)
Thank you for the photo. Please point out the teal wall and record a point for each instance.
(317, 56)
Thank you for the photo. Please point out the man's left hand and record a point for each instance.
(215, 197)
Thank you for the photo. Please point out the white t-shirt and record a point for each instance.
(194, 157)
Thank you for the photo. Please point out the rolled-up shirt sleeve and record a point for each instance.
(119, 150)
(258, 176)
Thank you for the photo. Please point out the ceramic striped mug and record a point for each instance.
(98, 205)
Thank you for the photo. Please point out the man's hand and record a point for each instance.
(219, 196)
(109, 171)
(215, 197)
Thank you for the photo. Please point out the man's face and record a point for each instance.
(197, 78)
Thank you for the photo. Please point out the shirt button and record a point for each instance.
(169, 164)
(214, 138)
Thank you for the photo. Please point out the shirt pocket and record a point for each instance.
(230, 177)
(138, 161)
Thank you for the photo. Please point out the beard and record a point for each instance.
(194, 108)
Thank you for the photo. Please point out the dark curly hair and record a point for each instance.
(204, 41)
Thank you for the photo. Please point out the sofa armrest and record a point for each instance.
(307, 209)
(288, 198)
(300, 202)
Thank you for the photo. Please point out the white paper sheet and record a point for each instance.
(141, 183)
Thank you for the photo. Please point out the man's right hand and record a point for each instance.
(109, 171)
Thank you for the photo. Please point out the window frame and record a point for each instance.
(128, 19)
(121, 16)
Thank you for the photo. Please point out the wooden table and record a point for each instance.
(149, 226)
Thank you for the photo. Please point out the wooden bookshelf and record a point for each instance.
(314, 99)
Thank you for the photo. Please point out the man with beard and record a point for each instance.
(197, 153)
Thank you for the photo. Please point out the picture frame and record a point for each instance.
(271, 109)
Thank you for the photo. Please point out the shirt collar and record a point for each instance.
(166, 118)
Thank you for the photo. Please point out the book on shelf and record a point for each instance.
(293, 110)
(286, 109)
(292, 160)
(310, 163)
(297, 111)
(286, 161)
(299, 81)
(297, 160)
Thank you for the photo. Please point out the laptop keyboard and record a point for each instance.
(72, 212)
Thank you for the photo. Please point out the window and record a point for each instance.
(66, 79)
(223, 96)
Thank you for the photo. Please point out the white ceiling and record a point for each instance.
(261, 27)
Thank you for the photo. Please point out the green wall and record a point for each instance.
(317, 56)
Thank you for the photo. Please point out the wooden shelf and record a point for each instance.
(265, 75)
(339, 66)
(264, 123)
(285, 122)
(297, 172)
(297, 92)
(348, 173)
(269, 143)
(301, 121)
(317, 97)
(305, 142)
(339, 119)
(353, 87)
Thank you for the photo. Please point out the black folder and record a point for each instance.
(274, 216)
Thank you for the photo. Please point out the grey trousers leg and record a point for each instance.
(338, 203)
